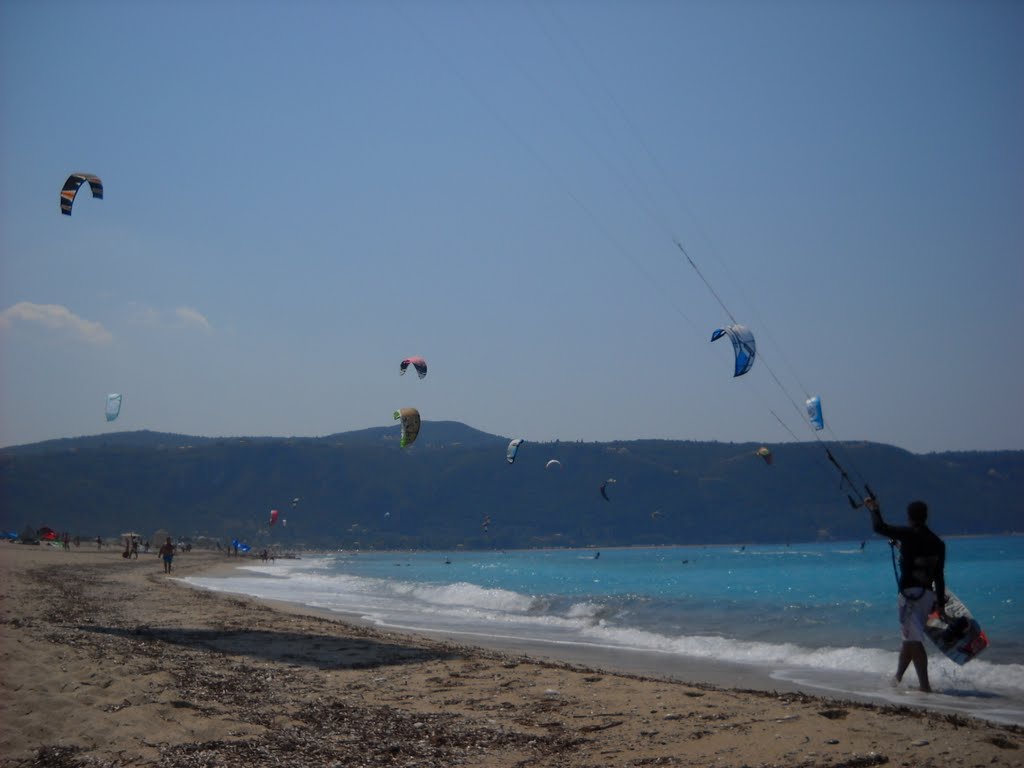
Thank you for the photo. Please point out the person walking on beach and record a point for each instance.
(922, 582)
(167, 553)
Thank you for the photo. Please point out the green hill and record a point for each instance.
(360, 489)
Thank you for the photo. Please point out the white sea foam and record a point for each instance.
(461, 594)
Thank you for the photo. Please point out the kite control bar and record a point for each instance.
(861, 498)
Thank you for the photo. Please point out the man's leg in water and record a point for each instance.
(913, 651)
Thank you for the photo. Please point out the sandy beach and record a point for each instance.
(109, 662)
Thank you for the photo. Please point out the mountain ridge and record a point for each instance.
(454, 487)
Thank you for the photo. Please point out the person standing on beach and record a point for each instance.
(167, 553)
(922, 582)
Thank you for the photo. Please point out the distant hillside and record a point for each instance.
(439, 433)
(454, 488)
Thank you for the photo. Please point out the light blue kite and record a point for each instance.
(113, 406)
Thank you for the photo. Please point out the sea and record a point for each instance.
(817, 617)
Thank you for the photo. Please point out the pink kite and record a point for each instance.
(418, 362)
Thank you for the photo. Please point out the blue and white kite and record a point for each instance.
(742, 343)
(814, 412)
(513, 449)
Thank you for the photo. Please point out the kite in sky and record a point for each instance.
(742, 343)
(417, 362)
(113, 406)
(410, 425)
(513, 449)
(74, 181)
(814, 412)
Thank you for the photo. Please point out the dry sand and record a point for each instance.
(108, 662)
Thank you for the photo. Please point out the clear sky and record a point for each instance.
(301, 194)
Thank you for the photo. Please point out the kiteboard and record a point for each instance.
(961, 638)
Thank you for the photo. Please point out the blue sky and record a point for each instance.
(299, 195)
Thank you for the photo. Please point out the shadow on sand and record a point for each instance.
(321, 651)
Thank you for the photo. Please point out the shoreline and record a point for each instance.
(950, 697)
(109, 662)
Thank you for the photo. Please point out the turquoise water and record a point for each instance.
(808, 613)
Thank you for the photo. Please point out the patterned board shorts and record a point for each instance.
(915, 605)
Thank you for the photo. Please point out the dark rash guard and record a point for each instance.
(922, 557)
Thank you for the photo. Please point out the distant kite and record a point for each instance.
(512, 450)
(74, 181)
(417, 362)
(553, 463)
(410, 425)
(742, 343)
(273, 517)
(113, 406)
(604, 487)
(814, 412)
(765, 453)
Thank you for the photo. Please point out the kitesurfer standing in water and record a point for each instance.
(922, 582)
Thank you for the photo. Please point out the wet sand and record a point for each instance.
(108, 662)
